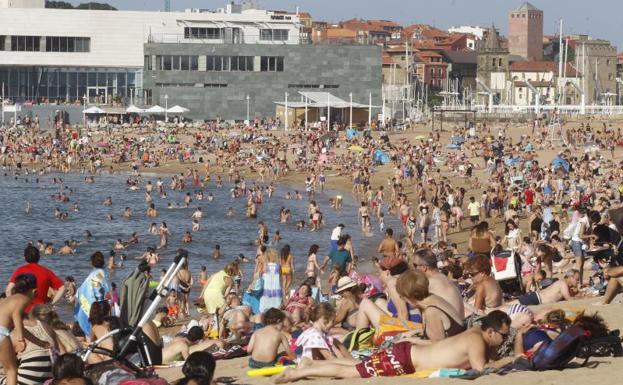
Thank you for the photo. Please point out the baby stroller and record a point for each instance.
(506, 269)
(135, 354)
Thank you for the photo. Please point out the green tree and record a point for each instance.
(96, 6)
(58, 5)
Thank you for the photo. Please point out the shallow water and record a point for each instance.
(235, 234)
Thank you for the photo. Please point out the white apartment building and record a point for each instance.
(63, 55)
(476, 31)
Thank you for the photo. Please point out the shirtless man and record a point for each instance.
(65, 249)
(439, 284)
(488, 291)
(388, 246)
(563, 289)
(198, 214)
(150, 256)
(179, 348)
(468, 350)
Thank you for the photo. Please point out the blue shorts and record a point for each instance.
(333, 245)
(576, 247)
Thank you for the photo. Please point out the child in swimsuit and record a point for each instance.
(11, 318)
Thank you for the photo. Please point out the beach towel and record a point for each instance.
(133, 293)
(271, 290)
(94, 288)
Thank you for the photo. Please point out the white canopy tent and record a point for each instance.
(94, 110)
(132, 109)
(156, 110)
(177, 110)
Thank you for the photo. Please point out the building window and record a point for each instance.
(67, 44)
(271, 64)
(2, 38)
(25, 43)
(194, 63)
(147, 63)
(241, 63)
(500, 62)
(214, 63)
(274, 34)
(203, 33)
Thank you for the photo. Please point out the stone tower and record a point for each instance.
(525, 32)
(493, 65)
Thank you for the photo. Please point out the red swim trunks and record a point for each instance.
(391, 362)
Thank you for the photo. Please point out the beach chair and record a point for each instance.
(506, 269)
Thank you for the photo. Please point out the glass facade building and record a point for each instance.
(66, 85)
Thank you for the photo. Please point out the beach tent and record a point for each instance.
(156, 110)
(380, 157)
(560, 163)
(133, 294)
(457, 139)
(512, 161)
(94, 110)
(177, 110)
(351, 133)
(132, 109)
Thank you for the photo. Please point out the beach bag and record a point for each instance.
(359, 340)
(608, 346)
(558, 353)
(390, 327)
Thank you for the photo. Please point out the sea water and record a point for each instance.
(235, 235)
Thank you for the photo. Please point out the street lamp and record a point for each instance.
(84, 107)
(248, 100)
(351, 110)
(286, 113)
(166, 108)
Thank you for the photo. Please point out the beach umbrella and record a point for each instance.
(132, 109)
(177, 110)
(355, 148)
(155, 110)
(94, 110)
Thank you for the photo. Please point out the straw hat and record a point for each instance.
(345, 283)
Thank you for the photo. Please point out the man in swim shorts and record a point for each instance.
(469, 349)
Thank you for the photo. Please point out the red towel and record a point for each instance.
(500, 263)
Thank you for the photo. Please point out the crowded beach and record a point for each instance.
(497, 252)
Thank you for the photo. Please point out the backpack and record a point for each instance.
(608, 346)
(558, 353)
(359, 340)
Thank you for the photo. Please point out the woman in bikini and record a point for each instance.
(313, 268)
(287, 269)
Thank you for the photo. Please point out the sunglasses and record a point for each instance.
(504, 335)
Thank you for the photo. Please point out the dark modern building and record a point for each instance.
(220, 81)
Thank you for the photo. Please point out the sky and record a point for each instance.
(598, 18)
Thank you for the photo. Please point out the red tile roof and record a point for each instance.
(371, 25)
(541, 66)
